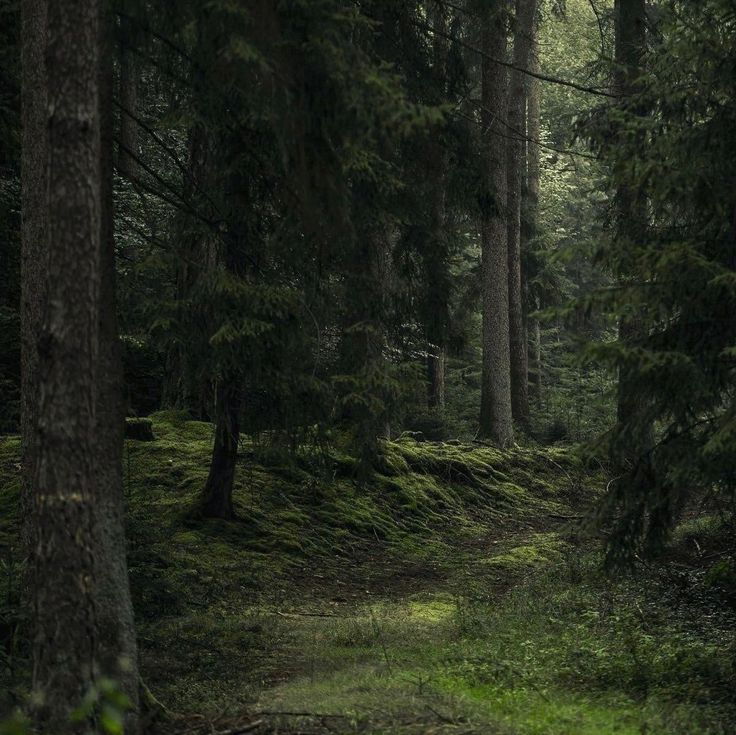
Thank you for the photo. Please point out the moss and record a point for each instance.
(699, 528)
(191, 577)
(542, 549)
(228, 612)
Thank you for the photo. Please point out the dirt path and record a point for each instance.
(362, 645)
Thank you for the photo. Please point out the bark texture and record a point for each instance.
(33, 238)
(523, 32)
(63, 560)
(496, 421)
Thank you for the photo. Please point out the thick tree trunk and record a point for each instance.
(217, 499)
(496, 421)
(118, 653)
(524, 28)
(64, 560)
(33, 242)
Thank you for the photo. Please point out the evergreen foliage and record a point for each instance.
(393, 282)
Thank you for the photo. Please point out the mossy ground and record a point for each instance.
(455, 591)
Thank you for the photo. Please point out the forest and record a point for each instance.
(367, 367)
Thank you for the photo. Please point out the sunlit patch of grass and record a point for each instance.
(553, 657)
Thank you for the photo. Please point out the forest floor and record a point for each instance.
(517, 634)
(458, 591)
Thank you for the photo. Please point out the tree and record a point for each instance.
(530, 200)
(437, 259)
(523, 41)
(496, 421)
(34, 235)
(674, 435)
(64, 475)
(630, 447)
(117, 647)
(129, 37)
(82, 619)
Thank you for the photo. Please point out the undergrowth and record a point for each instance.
(454, 589)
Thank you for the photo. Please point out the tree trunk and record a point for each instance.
(496, 421)
(531, 203)
(217, 500)
(436, 377)
(437, 256)
(364, 338)
(64, 559)
(534, 132)
(128, 94)
(631, 458)
(33, 243)
(118, 653)
(631, 222)
(538, 367)
(524, 28)
(190, 242)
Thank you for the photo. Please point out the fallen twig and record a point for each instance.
(316, 715)
(242, 729)
(308, 615)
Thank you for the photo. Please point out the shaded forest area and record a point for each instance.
(367, 367)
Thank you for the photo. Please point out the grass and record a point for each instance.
(565, 651)
(448, 594)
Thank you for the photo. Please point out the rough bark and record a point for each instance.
(217, 499)
(118, 654)
(496, 421)
(63, 559)
(523, 32)
(33, 238)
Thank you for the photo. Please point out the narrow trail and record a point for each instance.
(360, 646)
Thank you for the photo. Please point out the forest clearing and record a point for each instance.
(367, 367)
